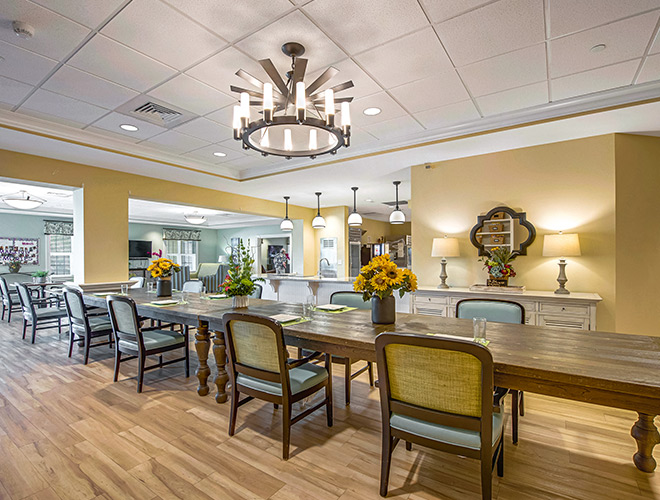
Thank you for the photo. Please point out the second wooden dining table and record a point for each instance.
(610, 369)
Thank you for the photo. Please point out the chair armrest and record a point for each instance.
(498, 398)
(299, 362)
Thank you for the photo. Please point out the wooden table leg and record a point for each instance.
(202, 346)
(647, 436)
(221, 379)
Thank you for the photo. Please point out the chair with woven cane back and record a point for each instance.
(10, 302)
(259, 367)
(498, 311)
(40, 314)
(438, 392)
(138, 342)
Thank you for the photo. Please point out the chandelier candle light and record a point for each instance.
(286, 224)
(397, 216)
(318, 222)
(298, 120)
(354, 219)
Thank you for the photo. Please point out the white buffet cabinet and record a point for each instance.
(577, 310)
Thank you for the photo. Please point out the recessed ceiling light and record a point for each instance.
(598, 48)
(128, 128)
(221, 155)
(372, 111)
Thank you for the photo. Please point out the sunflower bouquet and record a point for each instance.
(162, 267)
(381, 277)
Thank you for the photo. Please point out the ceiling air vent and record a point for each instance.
(151, 111)
(155, 111)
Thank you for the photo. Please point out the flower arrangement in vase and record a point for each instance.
(280, 261)
(162, 269)
(13, 259)
(239, 283)
(498, 263)
(377, 281)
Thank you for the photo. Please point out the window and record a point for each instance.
(182, 252)
(59, 254)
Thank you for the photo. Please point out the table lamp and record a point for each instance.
(561, 245)
(444, 247)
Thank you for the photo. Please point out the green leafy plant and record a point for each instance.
(239, 279)
(40, 274)
(498, 262)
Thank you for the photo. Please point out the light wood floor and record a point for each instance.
(67, 432)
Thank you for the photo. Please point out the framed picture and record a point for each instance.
(25, 250)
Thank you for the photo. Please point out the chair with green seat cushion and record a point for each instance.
(138, 342)
(498, 311)
(40, 314)
(83, 328)
(259, 368)
(438, 392)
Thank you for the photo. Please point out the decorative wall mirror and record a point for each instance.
(503, 227)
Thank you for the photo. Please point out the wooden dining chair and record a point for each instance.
(138, 342)
(39, 314)
(438, 392)
(498, 311)
(84, 327)
(259, 367)
(10, 302)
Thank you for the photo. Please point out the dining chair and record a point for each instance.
(498, 311)
(39, 314)
(84, 327)
(137, 342)
(194, 286)
(258, 290)
(9, 302)
(438, 392)
(259, 367)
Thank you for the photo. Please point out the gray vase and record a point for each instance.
(163, 288)
(383, 311)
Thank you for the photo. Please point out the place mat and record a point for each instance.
(164, 303)
(296, 321)
(339, 311)
(484, 343)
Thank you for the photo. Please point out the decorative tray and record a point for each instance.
(497, 289)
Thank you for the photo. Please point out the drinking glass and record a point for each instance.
(150, 286)
(479, 329)
(124, 289)
(308, 307)
(185, 296)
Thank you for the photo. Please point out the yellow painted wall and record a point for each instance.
(566, 186)
(378, 228)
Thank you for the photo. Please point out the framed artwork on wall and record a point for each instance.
(24, 250)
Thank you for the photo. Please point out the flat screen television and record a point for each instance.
(139, 249)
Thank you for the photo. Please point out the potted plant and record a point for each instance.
(498, 263)
(238, 283)
(40, 276)
(13, 260)
(162, 269)
(377, 282)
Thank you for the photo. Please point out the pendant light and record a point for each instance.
(286, 224)
(318, 222)
(354, 219)
(23, 200)
(397, 216)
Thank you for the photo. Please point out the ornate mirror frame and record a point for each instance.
(522, 219)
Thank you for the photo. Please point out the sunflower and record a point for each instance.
(165, 265)
(156, 272)
(359, 283)
(151, 267)
(379, 282)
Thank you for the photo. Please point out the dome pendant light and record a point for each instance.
(397, 216)
(318, 222)
(23, 200)
(286, 224)
(354, 219)
(195, 218)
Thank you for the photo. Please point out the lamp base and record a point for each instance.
(562, 279)
(443, 275)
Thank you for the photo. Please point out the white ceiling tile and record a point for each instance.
(617, 75)
(43, 102)
(23, 65)
(236, 146)
(624, 40)
(448, 115)
(220, 70)
(514, 99)
(175, 142)
(163, 33)
(113, 61)
(358, 26)
(13, 92)
(348, 70)
(206, 130)
(206, 154)
(440, 10)
(88, 12)
(650, 70)
(112, 134)
(112, 121)
(79, 85)
(413, 57)
(231, 19)
(224, 116)
(389, 109)
(431, 92)
(266, 43)
(55, 36)
(507, 71)
(494, 29)
(397, 127)
(192, 95)
(569, 16)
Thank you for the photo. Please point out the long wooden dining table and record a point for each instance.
(609, 369)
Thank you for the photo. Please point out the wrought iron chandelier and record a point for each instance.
(297, 121)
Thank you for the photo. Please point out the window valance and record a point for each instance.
(182, 234)
(63, 228)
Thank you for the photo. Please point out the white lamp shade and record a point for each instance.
(286, 225)
(561, 245)
(318, 222)
(354, 219)
(397, 217)
(445, 247)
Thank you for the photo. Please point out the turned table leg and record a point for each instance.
(202, 346)
(221, 379)
(647, 436)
